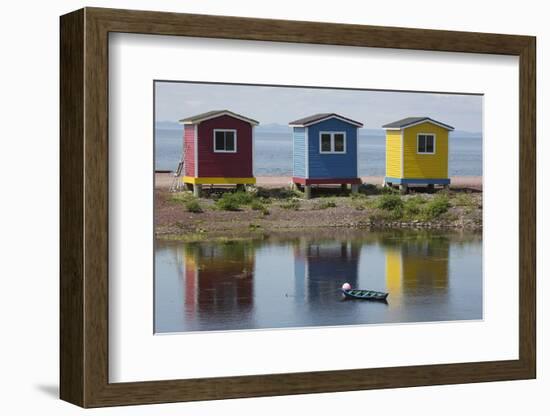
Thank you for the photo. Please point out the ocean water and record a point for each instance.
(273, 153)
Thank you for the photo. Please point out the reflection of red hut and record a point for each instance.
(218, 279)
(320, 268)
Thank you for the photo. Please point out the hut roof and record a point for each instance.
(196, 119)
(412, 121)
(317, 118)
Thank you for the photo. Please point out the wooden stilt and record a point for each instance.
(404, 188)
(354, 188)
(307, 191)
(197, 188)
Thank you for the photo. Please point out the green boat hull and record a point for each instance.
(364, 294)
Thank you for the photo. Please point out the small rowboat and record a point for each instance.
(364, 294)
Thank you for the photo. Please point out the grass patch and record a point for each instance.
(329, 203)
(293, 204)
(464, 200)
(204, 237)
(190, 203)
(181, 197)
(259, 206)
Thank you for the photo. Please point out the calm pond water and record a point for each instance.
(282, 282)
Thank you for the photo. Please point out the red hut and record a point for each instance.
(218, 148)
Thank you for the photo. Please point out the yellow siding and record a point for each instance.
(393, 153)
(433, 166)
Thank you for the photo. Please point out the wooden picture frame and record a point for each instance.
(84, 207)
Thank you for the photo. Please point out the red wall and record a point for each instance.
(235, 165)
(189, 149)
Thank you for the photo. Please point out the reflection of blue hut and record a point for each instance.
(320, 269)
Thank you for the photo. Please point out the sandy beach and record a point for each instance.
(163, 180)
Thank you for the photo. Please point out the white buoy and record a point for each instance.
(346, 286)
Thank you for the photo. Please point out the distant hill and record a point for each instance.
(281, 129)
(168, 125)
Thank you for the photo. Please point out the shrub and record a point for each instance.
(193, 205)
(389, 202)
(437, 206)
(389, 190)
(232, 201)
(413, 206)
(227, 204)
(239, 197)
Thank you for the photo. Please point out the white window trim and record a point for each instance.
(332, 134)
(426, 134)
(214, 140)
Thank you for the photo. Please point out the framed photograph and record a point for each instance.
(255, 207)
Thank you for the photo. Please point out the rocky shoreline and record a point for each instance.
(225, 214)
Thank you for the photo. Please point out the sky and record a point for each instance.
(280, 105)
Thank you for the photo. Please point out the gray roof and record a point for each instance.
(315, 118)
(216, 113)
(409, 121)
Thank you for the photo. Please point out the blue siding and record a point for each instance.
(332, 165)
(299, 139)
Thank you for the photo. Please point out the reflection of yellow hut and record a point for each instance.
(417, 265)
(394, 271)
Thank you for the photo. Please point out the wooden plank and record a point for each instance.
(71, 317)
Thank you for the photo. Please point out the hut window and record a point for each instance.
(426, 143)
(225, 141)
(332, 142)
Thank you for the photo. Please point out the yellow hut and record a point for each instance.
(417, 152)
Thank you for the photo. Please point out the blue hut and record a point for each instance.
(325, 151)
